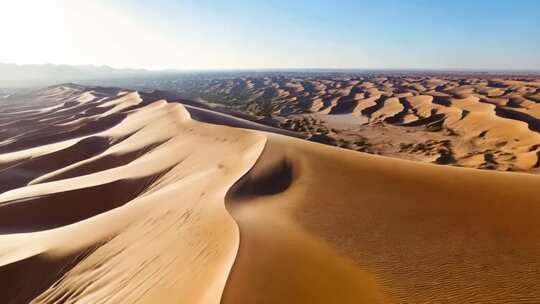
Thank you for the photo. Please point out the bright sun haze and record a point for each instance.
(279, 34)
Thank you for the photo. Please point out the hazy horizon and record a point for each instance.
(285, 69)
(204, 35)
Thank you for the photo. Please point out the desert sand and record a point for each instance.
(483, 121)
(119, 196)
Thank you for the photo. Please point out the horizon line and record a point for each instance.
(255, 69)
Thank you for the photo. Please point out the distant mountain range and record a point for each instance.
(14, 75)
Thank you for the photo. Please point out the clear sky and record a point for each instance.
(198, 34)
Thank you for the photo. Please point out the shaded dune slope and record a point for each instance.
(157, 207)
(356, 228)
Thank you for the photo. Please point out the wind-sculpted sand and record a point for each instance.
(131, 211)
(478, 121)
(113, 196)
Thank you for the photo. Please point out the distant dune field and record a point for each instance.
(118, 196)
(470, 120)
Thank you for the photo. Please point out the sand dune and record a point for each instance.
(113, 196)
(132, 222)
(355, 228)
(403, 116)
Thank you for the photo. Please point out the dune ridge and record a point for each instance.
(132, 220)
(152, 206)
(468, 120)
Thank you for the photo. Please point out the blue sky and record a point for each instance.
(292, 34)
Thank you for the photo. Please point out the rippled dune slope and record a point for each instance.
(110, 199)
(478, 121)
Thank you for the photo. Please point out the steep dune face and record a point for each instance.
(155, 207)
(355, 228)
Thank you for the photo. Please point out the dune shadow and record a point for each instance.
(272, 174)
(532, 122)
(102, 163)
(22, 173)
(61, 134)
(23, 280)
(68, 207)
